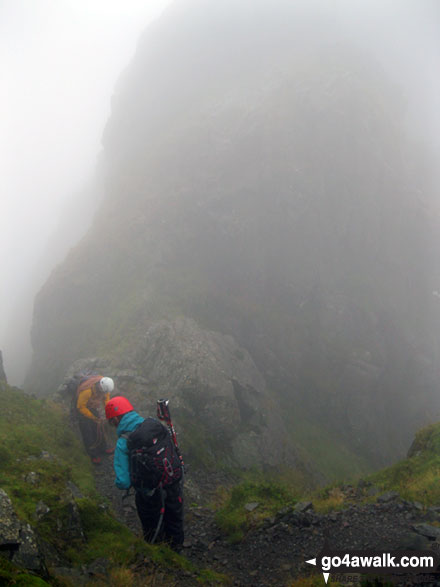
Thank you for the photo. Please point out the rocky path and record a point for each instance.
(275, 552)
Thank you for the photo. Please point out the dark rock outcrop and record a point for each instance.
(17, 539)
(262, 190)
(213, 384)
(2, 371)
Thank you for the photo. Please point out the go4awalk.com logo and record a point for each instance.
(376, 562)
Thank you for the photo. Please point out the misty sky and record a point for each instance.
(59, 61)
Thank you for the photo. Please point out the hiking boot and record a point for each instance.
(96, 460)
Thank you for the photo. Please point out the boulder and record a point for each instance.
(18, 538)
(213, 385)
(9, 523)
(431, 532)
(213, 381)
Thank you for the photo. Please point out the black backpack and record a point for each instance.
(154, 460)
(69, 388)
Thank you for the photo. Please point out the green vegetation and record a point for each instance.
(200, 447)
(328, 454)
(12, 575)
(235, 520)
(417, 478)
(320, 447)
(40, 456)
(39, 453)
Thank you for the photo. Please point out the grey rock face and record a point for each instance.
(72, 525)
(388, 496)
(427, 530)
(9, 523)
(211, 382)
(2, 371)
(250, 507)
(303, 506)
(41, 510)
(28, 554)
(215, 382)
(216, 378)
(18, 538)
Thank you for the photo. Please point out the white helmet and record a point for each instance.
(106, 384)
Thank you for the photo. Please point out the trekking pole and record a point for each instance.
(163, 413)
(162, 512)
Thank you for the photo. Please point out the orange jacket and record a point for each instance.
(89, 398)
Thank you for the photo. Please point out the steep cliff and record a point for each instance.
(2, 371)
(259, 184)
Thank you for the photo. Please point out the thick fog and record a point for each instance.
(60, 62)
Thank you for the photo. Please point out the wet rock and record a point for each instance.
(431, 532)
(41, 510)
(98, 567)
(388, 496)
(299, 519)
(32, 478)
(433, 514)
(282, 513)
(2, 371)
(18, 538)
(364, 484)
(9, 523)
(372, 491)
(303, 506)
(46, 456)
(76, 492)
(28, 554)
(413, 541)
(219, 383)
(73, 525)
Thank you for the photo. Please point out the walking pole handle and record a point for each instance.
(163, 413)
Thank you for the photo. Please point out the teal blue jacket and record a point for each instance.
(121, 461)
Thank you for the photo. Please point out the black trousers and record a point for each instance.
(94, 444)
(149, 507)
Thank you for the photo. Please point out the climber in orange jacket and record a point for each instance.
(92, 395)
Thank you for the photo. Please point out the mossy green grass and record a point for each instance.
(416, 478)
(40, 457)
(235, 520)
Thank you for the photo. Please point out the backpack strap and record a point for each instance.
(88, 382)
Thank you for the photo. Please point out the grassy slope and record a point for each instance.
(417, 477)
(27, 428)
(318, 446)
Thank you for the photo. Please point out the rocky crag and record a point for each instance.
(262, 253)
(218, 396)
(2, 371)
